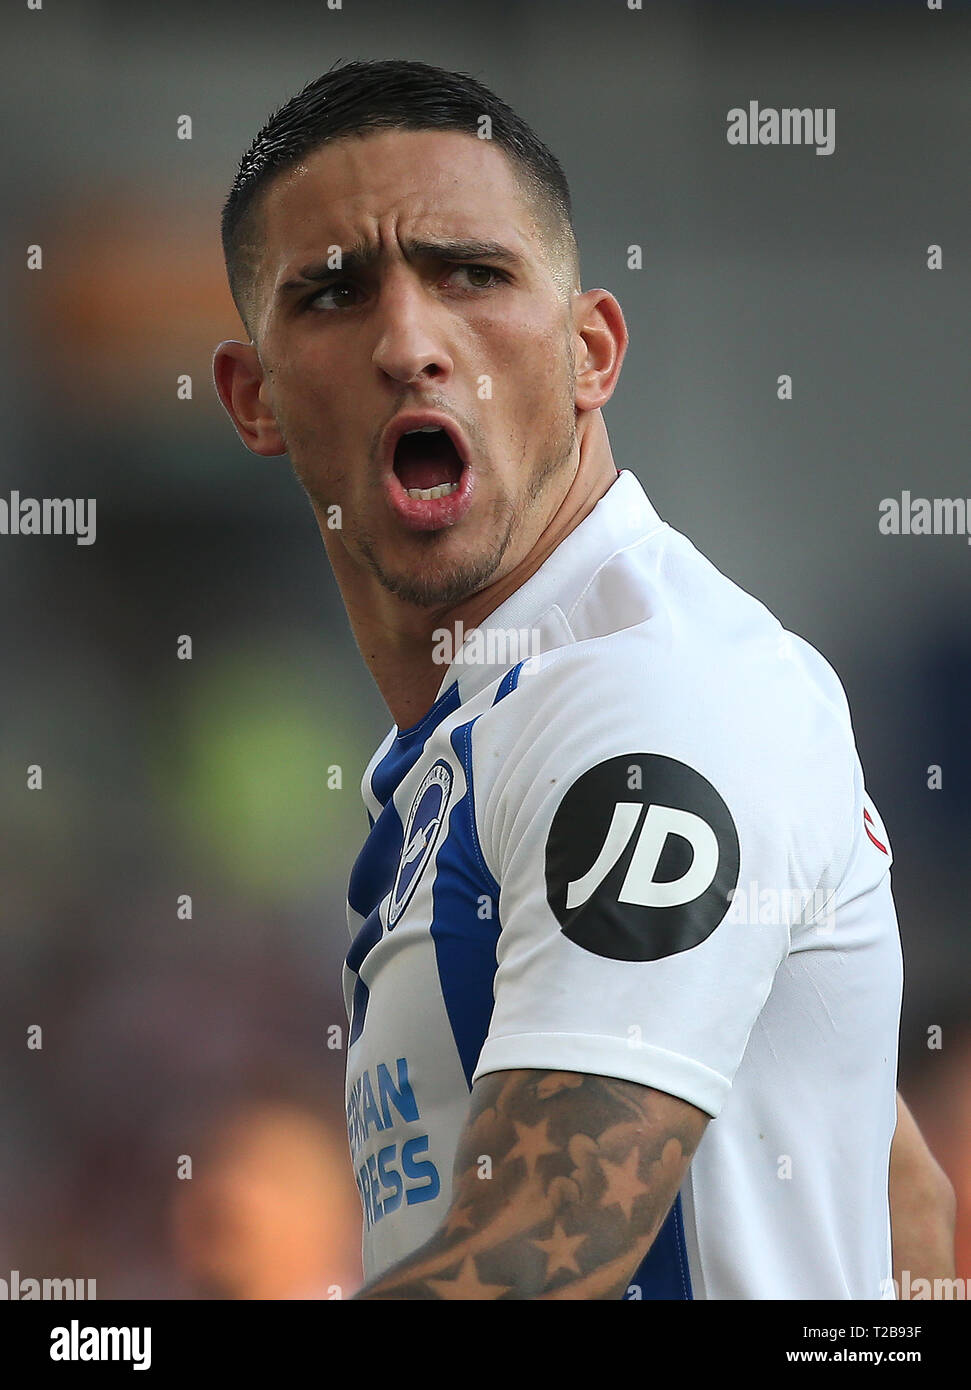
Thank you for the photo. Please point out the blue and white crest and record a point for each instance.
(421, 831)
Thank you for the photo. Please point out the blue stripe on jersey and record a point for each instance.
(664, 1273)
(373, 873)
(366, 940)
(372, 876)
(408, 747)
(465, 942)
(508, 683)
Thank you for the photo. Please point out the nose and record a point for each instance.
(411, 337)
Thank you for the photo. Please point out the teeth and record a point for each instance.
(425, 494)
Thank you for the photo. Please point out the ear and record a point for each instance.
(238, 376)
(601, 342)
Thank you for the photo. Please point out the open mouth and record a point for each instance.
(427, 464)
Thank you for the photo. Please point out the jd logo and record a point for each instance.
(646, 873)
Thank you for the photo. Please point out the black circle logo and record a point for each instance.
(642, 858)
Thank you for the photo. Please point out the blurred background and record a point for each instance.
(165, 1035)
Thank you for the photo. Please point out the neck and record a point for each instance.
(395, 637)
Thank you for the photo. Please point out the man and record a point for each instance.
(625, 977)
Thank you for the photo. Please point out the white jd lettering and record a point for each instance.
(639, 886)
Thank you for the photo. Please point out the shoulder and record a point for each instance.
(752, 694)
(705, 704)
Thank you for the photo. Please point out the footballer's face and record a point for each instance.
(445, 310)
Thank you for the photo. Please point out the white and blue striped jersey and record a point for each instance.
(646, 852)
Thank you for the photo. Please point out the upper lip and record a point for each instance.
(413, 420)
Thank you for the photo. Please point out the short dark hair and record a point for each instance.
(363, 96)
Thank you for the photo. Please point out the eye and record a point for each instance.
(336, 287)
(483, 277)
(472, 270)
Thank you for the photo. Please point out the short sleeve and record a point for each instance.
(628, 824)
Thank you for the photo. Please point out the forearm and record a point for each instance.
(450, 1267)
(561, 1185)
(922, 1206)
(493, 1264)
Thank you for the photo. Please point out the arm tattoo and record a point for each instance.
(561, 1183)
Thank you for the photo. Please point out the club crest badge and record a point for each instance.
(421, 832)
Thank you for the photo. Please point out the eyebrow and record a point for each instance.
(362, 256)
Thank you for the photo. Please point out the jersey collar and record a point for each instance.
(540, 610)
